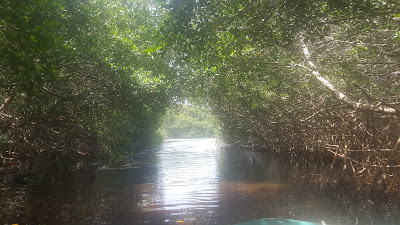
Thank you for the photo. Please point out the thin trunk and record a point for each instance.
(7, 102)
(346, 148)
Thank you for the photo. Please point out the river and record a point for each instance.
(186, 181)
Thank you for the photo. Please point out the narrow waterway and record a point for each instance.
(185, 182)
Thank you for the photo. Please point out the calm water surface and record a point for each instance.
(188, 181)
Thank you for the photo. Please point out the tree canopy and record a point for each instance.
(299, 77)
(80, 78)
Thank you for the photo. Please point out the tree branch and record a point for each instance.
(340, 95)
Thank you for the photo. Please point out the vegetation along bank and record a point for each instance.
(86, 79)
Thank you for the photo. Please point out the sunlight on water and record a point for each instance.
(188, 182)
(187, 175)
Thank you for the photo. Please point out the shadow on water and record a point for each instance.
(186, 182)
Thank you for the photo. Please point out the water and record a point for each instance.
(186, 182)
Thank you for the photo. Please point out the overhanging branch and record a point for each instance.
(340, 95)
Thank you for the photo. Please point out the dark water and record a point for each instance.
(186, 182)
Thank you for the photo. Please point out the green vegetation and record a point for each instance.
(82, 79)
(188, 122)
(299, 77)
(303, 78)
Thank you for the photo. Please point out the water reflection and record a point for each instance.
(188, 176)
(191, 181)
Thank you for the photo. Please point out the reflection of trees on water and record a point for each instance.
(248, 165)
(12, 203)
(252, 186)
(257, 186)
(222, 186)
(76, 197)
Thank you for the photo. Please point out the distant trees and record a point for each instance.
(188, 122)
(315, 78)
(81, 79)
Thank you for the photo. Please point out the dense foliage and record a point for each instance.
(79, 79)
(188, 122)
(298, 77)
(315, 78)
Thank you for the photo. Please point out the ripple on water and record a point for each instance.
(185, 180)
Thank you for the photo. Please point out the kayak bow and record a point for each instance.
(273, 221)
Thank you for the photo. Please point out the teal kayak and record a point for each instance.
(272, 221)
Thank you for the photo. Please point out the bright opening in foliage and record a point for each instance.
(188, 122)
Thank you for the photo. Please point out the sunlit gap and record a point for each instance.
(186, 120)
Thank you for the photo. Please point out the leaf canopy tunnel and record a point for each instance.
(318, 79)
(296, 77)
